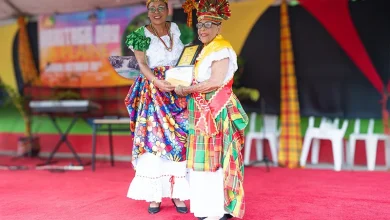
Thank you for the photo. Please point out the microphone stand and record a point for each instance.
(266, 159)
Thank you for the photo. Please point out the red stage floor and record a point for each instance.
(279, 194)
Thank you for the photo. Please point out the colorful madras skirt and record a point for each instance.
(158, 119)
(211, 152)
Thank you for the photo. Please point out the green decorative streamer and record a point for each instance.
(296, 2)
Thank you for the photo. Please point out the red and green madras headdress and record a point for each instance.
(212, 10)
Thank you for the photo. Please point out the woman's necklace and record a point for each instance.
(169, 34)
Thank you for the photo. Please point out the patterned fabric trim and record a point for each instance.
(137, 40)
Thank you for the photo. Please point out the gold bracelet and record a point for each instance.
(154, 78)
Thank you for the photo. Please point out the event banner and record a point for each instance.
(74, 48)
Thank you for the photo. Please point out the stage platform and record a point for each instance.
(281, 194)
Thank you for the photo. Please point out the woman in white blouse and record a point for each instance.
(158, 116)
(216, 122)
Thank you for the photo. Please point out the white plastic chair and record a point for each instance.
(270, 133)
(371, 142)
(387, 150)
(326, 131)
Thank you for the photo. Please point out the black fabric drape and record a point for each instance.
(329, 84)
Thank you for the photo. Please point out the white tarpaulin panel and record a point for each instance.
(11, 8)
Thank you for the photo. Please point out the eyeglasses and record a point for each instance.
(159, 9)
(206, 24)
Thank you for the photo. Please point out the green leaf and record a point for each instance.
(294, 3)
(187, 34)
(244, 93)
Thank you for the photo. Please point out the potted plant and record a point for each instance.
(243, 93)
(28, 145)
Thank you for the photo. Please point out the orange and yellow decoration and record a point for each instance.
(290, 136)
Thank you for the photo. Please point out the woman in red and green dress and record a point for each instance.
(216, 122)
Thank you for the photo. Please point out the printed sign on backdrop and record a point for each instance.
(74, 48)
